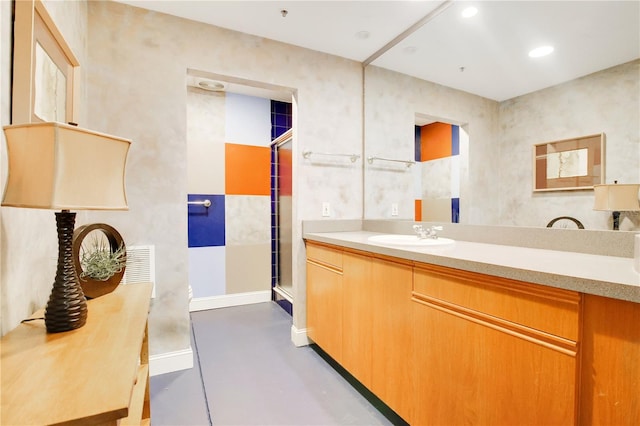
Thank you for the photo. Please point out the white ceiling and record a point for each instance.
(588, 36)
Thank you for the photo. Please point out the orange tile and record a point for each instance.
(285, 164)
(418, 211)
(247, 170)
(435, 141)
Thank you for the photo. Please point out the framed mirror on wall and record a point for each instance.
(44, 68)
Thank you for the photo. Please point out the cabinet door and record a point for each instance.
(610, 362)
(356, 317)
(392, 370)
(324, 308)
(470, 369)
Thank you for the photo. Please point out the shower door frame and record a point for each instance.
(277, 289)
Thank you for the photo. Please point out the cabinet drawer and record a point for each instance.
(547, 309)
(324, 255)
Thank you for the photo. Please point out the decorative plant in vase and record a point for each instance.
(100, 263)
(100, 258)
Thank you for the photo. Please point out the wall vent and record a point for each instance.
(141, 266)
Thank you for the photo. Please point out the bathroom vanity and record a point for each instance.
(472, 333)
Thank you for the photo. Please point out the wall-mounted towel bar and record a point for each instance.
(206, 203)
(352, 157)
(372, 159)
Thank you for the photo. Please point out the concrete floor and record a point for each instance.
(247, 372)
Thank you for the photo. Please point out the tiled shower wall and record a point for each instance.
(229, 163)
(437, 172)
(281, 201)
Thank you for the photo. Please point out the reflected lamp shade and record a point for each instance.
(616, 198)
(62, 167)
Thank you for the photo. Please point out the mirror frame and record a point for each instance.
(33, 25)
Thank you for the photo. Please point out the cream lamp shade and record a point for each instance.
(616, 197)
(58, 166)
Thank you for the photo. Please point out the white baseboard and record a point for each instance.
(299, 336)
(214, 302)
(171, 361)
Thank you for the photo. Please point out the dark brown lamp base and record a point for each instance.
(616, 221)
(67, 306)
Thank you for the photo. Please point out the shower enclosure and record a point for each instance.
(282, 218)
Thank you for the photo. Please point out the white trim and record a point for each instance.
(214, 302)
(299, 336)
(286, 296)
(171, 361)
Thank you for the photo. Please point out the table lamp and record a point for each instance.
(63, 167)
(616, 198)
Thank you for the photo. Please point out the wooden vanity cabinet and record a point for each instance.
(445, 346)
(357, 314)
(376, 326)
(358, 311)
(324, 298)
(392, 327)
(610, 376)
(492, 351)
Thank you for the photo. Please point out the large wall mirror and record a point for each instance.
(44, 79)
(477, 75)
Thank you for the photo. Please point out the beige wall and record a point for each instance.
(391, 103)
(495, 182)
(137, 67)
(603, 102)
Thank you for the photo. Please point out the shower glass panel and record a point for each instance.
(283, 186)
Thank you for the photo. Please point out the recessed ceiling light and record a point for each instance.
(213, 86)
(468, 12)
(540, 51)
(363, 35)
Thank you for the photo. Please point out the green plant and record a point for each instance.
(99, 262)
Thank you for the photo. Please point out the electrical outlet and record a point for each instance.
(394, 209)
(326, 209)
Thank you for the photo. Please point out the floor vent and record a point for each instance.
(141, 266)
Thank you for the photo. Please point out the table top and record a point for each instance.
(87, 373)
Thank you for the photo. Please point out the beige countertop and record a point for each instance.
(608, 276)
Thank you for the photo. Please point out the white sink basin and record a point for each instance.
(409, 240)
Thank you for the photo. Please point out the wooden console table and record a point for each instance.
(97, 374)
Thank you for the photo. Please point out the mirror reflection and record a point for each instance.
(495, 172)
(50, 88)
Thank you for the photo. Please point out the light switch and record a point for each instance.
(326, 209)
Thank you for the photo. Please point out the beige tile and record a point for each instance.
(247, 219)
(205, 142)
(248, 268)
(436, 210)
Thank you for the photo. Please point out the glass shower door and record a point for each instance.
(283, 216)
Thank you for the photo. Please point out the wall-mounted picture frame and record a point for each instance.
(569, 164)
(45, 83)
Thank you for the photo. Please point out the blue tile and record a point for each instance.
(281, 120)
(417, 146)
(455, 140)
(280, 107)
(286, 305)
(206, 225)
(455, 210)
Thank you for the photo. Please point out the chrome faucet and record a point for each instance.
(430, 232)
